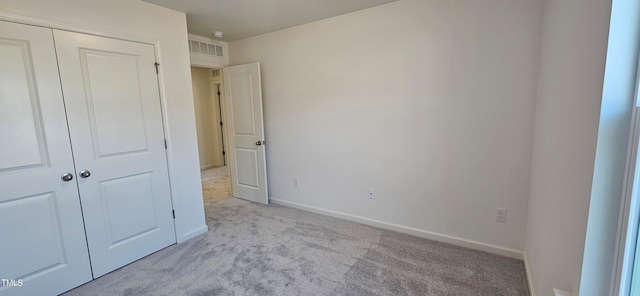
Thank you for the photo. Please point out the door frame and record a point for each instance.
(25, 20)
(220, 102)
(628, 230)
(223, 116)
(223, 119)
(626, 244)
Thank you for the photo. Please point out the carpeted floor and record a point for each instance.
(216, 184)
(253, 249)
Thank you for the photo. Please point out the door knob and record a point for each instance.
(85, 174)
(67, 177)
(259, 143)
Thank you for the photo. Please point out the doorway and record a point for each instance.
(241, 143)
(208, 105)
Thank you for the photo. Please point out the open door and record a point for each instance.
(245, 130)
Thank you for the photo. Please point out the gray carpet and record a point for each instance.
(253, 249)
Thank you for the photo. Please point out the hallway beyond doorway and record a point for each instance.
(215, 184)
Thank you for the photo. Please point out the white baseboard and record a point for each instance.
(532, 292)
(559, 292)
(193, 233)
(458, 241)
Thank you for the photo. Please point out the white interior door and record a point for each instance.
(42, 241)
(245, 127)
(115, 122)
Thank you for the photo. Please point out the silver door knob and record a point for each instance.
(259, 143)
(85, 174)
(66, 177)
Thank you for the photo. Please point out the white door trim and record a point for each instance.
(73, 28)
(627, 229)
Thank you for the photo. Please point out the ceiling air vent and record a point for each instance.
(205, 48)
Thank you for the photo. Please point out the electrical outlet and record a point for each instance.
(296, 182)
(372, 193)
(501, 215)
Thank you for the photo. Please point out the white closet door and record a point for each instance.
(42, 241)
(243, 103)
(115, 122)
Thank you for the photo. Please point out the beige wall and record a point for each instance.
(429, 102)
(207, 114)
(574, 46)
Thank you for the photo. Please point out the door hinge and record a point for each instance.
(220, 122)
(157, 64)
(223, 152)
(165, 144)
(219, 93)
(174, 213)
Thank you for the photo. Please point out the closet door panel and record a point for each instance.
(115, 102)
(43, 245)
(115, 122)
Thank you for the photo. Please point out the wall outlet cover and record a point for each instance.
(501, 215)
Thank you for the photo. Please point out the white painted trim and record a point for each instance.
(10, 17)
(558, 292)
(627, 233)
(458, 241)
(627, 229)
(527, 270)
(225, 132)
(206, 61)
(194, 233)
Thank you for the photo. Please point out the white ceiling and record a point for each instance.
(240, 19)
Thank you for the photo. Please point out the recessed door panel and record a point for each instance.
(248, 166)
(112, 81)
(115, 124)
(22, 144)
(243, 104)
(42, 240)
(128, 207)
(243, 109)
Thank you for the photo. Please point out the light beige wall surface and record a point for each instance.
(207, 118)
(574, 46)
(429, 102)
